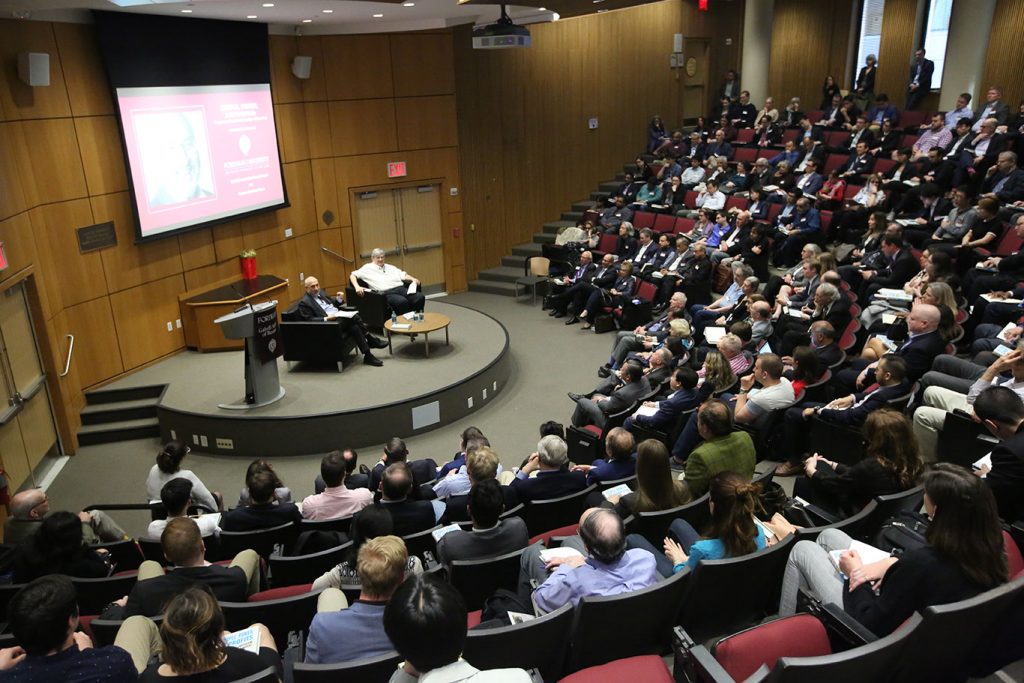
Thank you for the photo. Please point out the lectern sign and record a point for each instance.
(268, 344)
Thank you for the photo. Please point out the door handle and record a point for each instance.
(67, 363)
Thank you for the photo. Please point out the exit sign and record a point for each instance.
(3, 256)
(396, 169)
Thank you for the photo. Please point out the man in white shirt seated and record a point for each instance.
(176, 495)
(337, 500)
(390, 281)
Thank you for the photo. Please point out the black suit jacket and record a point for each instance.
(149, 597)
(603, 279)
(259, 516)
(1011, 191)
(919, 352)
(863, 405)
(838, 314)
(831, 354)
(1007, 477)
(310, 307)
(583, 273)
(410, 516)
(509, 535)
(859, 165)
(549, 484)
(899, 273)
(924, 82)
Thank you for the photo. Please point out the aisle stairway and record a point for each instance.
(501, 280)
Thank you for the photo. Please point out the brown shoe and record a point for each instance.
(788, 469)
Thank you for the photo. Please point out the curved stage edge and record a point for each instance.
(268, 432)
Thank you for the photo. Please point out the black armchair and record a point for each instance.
(372, 307)
(314, 340)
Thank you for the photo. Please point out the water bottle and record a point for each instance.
(394, 318)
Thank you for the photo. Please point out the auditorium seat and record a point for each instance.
(281, 610)
(646, 668)
(544, 515)
(815, 115)
(104, 631)
(126, 555)
(851, 190)
(834, 161)
(665, 222)
(654, 525)
(668, 438)
(643, 219)
(909, 140)
(743, 653)
(263, 541)
(912, 120)
(535, 644)
(744, 136)
(684, 226)
(373, 307)
(95, 594)
(561, 532)
(736, 203)
(646, 616)
(790, 135)
(747, 155)
(268, 675)
(371, 670)
(836, 138)
(882, 165)
(478, 580)
(304, 569)
(848, 525)
(420, 543)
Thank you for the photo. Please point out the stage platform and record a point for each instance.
(324, 409)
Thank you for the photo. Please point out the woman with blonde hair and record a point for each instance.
(718, 371)
(193, 647)
(891, 464)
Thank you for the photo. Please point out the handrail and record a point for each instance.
(336, 254)
(67, 363)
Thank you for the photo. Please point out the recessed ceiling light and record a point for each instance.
(268, 4)
(541, 9)
(307, 21)
(186, 11)
(408, 4)
(327, 11)
(377, 16)
(251, 16)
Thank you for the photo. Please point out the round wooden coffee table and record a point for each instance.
(432, 322)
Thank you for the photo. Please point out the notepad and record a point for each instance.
(438, 534)
(868, 553)
(563, 552)
(995, 300)
(400, 326)
(620, 490)
(712, 335)
(246, 639)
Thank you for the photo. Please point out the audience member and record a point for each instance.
(720, 448)
(482, 464)
(168, 466)
(1002, 412)
(372, 522)
(264, 511)
(30, 507)
(552, 480)
(490, 536)
(398, 287)
(468, 433)
(176, 495)
(620, 463)
(58, 547)
(458, 482)
(337, 500)
(396, 451)
(409, 516)
(281, 492)
(595, 408)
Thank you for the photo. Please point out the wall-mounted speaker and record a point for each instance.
(34, 68)
(301, 66)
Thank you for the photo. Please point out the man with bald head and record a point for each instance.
(604, 566)
(922, 346)
(29, 508)
(317, 306)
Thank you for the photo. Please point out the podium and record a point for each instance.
(257, 325)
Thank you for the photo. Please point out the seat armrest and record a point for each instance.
(844, 631)
(695, 663)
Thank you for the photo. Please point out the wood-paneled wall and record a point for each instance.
(809, 42)
(1005, 54)
(370, 100)
(896, 49)
(526, 151)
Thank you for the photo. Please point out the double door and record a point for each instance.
(406, 223)
(27, 429)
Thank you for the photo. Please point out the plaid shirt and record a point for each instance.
(733, 452)
(930, 138)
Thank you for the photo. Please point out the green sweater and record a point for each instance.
(734, 452)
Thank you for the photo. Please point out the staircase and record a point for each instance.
(120, 415)
(501, 280)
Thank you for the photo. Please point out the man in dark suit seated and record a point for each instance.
(596, 408)
(584, 272)
(1004, 180)
(317, 306)
(829, 305)
(490, 536)
(395, 450)
(684, 396)
(264, 511)
(644, 337)
(1001, 411)
(601, 277)
(823, 341)
(408, 516)
(552, 479)
(923, 345)
(184, 549)
(619, 446)
(901, 267)
(850, 410)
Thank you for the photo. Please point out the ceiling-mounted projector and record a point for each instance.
(501, 34)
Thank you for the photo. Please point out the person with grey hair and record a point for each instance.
(760, 322)
(552, 478)
(595, 408)
(315, 305)
(603, 567)
(643, 337)
(645, 250)
(30, 507)
(705, 315)
(828, 305)
(389, 280)
(620, 449)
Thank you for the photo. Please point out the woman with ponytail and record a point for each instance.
(193, 648)
(168, 466)
(733, 531)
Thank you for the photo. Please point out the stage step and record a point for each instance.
(99, 413)
(544, 237)
(493, 287)
(599, 196)
(514, 261)
(502, 274)
(585, 205)
(630, 168)
(555, 227)
(528, 249)
(125, 430)
(127, 394)
(572, 216)
(609, 186)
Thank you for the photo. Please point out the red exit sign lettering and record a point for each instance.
(396, 169)
(3, 256)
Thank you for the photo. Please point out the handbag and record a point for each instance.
(903, 533)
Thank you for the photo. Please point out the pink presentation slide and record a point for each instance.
(200, 154)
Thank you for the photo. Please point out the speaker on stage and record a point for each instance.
(301, 66)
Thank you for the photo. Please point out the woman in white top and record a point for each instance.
(168, 466)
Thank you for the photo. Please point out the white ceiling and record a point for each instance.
(287, 16)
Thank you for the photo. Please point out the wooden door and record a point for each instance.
(420, 228)
(694, 93)
(375, 216)
(27, 429)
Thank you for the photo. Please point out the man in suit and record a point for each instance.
(644, 337)
(657, 371)
(902, 267)
(805, 225)
(829, 305)
(645, 252)
(823, 341)
(920, 83)
(576, 282)
(612, 217)
(408, 516)
(620, 460)
(264, 511)
(718, 148)
(552, 480)
(596, 408)
(672, 272)
(316, 305)
(684, 396)
(1002, 412)
(602, 277)
(481, 465)
(743, 112)
(810, 181)
(994, 108)
(882, 110)
(490, 536)
(396, 451)
(1004, 180)
(859, 164)
(859, 133)
(850, 410)
(923, 345)
(356, 631)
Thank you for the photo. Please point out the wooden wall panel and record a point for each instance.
(13, 199)
(314, 88)
(285, 87)
(362, 127)
(96, 355)
(88, 89)
(301, 215)
(1005, 53)
(333, 272)
(293, 140)
(357, 67)
(896, 49)
(324, 191)
(196, 248)
(425, 122)
(215, 272)
(141, 315)
(73, 277)
(21, 101)
(128, 264)
(56, 172)
(318, 128)
(422, 64)
(227, 241)
(809, 41)
(99, 143)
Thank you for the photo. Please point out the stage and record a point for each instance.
(324, 409)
